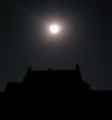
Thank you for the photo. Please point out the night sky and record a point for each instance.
(87, 39)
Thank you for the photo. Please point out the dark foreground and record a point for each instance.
(55, 84)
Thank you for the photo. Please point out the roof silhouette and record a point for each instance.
(51, 81)
(57, 83)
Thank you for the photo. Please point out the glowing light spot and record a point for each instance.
(54, 29)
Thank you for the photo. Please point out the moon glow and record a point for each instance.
(54, 29)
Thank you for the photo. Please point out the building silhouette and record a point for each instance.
(51, 82)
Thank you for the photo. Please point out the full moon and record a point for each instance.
(54, 29)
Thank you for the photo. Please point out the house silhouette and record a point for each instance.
(51, 82)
